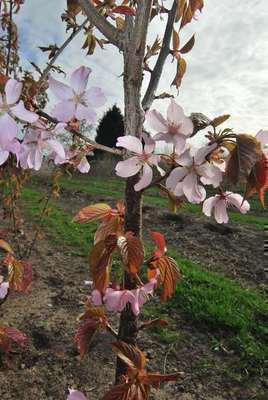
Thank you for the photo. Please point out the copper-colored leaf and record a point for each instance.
(73, 7)
(5, 246)
(243, 158)
(92, 213)
(119, 392)
(125, 10)
(258, 180)
(219, 120)
(114, 225)
(131, 250)
(85, 334)
(181, 68)
(19, 273)
(10, 335)
(131, 355)
(169, 275)
(120, 23)
(160, 242)
(100, 260)
(188, 46)
(176, 41)
(154, 322)
(155, 379)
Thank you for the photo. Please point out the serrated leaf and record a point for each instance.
(169, 275)
(258, 180)
(5, 246)
(243, 158)
(100, 260)
(219, 120)
(11, 335)
(160, 242)
(92, 213)
(73, 7)
(176, 41)
(112, 226)
(131, 355)
(19, 273)
(120, 23)
(85, 334)
(131, 250)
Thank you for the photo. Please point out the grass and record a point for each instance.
(114, 187)
(237, 317)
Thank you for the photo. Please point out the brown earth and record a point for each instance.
(48, 314)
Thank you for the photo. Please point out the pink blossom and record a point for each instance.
(75, 395)
(143, 160)
(12, 146)
(186, 179)
(219, 203)
(116, 300)
(3, 289)
(262, 136)
(36, 140)
(71, 157)
(11, 107)
(175, 129)
(75, 100)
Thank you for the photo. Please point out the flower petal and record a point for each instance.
(64, 111)
(146, 178)
(194, 192)
(156, 121)
(95, 97)
(149, 144)
(85, 113)
(130, 143)
(220, 212)
(13, 90)
(57, 147)
(237, 200)
(176, 176)
(187, 127)
(83, 166)
(8, 130)
(175, 113)
(75, 395)
(3, 289)
(128, 167)
(209, 204)
(262, 136)
(96, 297)
(3, 156)
(25, 115)
(60, 90)
(79, 79)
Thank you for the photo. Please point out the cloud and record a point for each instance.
(227, 69)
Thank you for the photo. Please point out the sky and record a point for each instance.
(227, 69)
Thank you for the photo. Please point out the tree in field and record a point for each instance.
(110, 127)
(226, 159)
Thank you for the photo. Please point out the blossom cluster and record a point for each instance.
(27, 136)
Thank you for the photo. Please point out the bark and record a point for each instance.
(134, 50)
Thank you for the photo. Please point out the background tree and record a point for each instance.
(110, 127)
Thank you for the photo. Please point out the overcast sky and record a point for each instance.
(227, 69)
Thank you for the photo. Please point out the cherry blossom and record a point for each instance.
(262, 136)
(75, 395)
(75, 100)
(116, 300)
(74, 158)
(218, 204)
(175, 129)
(36, 140)
(194, 169)
(3, 289)
(143, 160)
(12, 146)
(11, 107)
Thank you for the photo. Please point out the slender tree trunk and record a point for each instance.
(134, 118)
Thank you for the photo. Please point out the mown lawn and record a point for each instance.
(237, 317)
(114, 187)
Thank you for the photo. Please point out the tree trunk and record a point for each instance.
(134, 50)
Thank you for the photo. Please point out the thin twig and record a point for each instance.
(9, 36)
(61, 49)
(81, 136)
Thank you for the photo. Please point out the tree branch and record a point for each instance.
(164, 52)
(81, 136)
(107, 29)
(9, 36)
(60, 50)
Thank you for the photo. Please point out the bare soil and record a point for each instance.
(48, 315)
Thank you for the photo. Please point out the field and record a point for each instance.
(217, 333)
